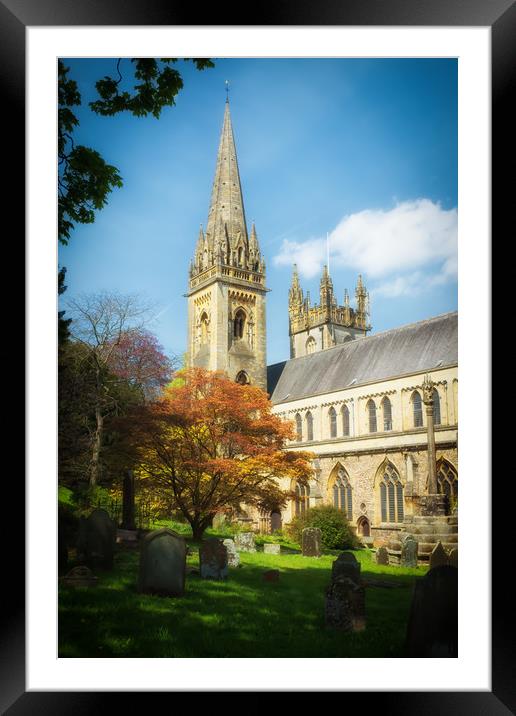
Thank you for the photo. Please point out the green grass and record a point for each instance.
(243, 616)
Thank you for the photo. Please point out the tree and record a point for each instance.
(125, 362)
(212, 444)
(85, 179)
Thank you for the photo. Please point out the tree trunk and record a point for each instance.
(97, 443)
(198, 531)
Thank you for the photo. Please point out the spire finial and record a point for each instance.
(227, 91)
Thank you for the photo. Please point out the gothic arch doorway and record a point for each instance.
(363, 527)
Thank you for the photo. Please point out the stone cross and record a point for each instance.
(428, 400)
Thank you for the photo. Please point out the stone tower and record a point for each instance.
(226, 296)
(314, 328)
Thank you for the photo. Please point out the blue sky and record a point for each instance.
(362, 149)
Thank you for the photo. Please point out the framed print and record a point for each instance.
(35, 676)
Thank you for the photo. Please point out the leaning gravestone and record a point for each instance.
(162, 563)
(311, 542)
(213, 559)
(344, 607)
(346, 565)
(96, 541)
(233, 556)
(432, 629)
(382, 555)
(409, 549)
(244, 542)
(438, 557)
(269, 548)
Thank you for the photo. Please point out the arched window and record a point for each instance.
(309, 426)
(371, 409)
(448, 483)
(301, 500)
(238, 324)
(332, 415)
(387, 414)
(204, 328)
(342, 497)
(299, 428)
(417, 408)
(242, 378)
(310, 345)
(437, 408)
(391, 496)
(345, 420)
(240, 251)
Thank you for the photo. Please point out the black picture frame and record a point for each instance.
(500, 16)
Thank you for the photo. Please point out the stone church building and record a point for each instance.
(379, 411)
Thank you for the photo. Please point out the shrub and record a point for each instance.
(336, 532)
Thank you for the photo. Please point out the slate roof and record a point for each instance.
(422, 346)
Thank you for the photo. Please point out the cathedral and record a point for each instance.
(379, 411)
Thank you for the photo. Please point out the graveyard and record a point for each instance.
(270, 605)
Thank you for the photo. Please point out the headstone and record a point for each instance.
(438, 556)
(272, 575)
(346, 565)
(233, 556)
(96, 541)
(162, 563)
(454, 558)
(213, 559)
(244, 542)
(127, 538)
(128, 505)
(344, 607)
(79, 577)
(311, 542)
(382, 555)
(270, 548)
(432, 629)
(409, 548)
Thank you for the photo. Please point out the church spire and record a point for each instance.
(226, 214)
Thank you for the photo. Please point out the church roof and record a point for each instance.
(423, 346)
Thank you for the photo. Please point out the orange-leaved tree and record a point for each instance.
(212, 444)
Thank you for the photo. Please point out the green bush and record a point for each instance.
(336, 532)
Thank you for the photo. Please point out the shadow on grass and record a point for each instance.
(243, 616)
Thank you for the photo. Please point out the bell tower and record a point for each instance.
(226, 294)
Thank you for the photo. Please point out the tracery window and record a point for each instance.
(345, 420)
(310, 345)
(437, 407)
(448, 483)
(391, 496)
(242, 378)
(387, 414)
(332, 415)
(371, 409)
(238, 324)
(417, 409)
(299, 428)
(302, 498)
(309, 426)
(342, 494)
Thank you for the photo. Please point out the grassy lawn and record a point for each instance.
(243, 616)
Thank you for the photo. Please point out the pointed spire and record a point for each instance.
(295, 295)
(227, 204)
(326, 288)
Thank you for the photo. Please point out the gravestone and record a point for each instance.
(79, 577)
(409, 548)
(269, 548)
(96, 541)
(213, 559)
(346, 565)
(344, 607)
(244, 542)
(382, 555)
(272, 575)
(233, 556)
(162, 563)
(454, 558)
(438, 557)
(432, 629)
(311, 542)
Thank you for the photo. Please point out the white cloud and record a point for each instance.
(407, 249)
